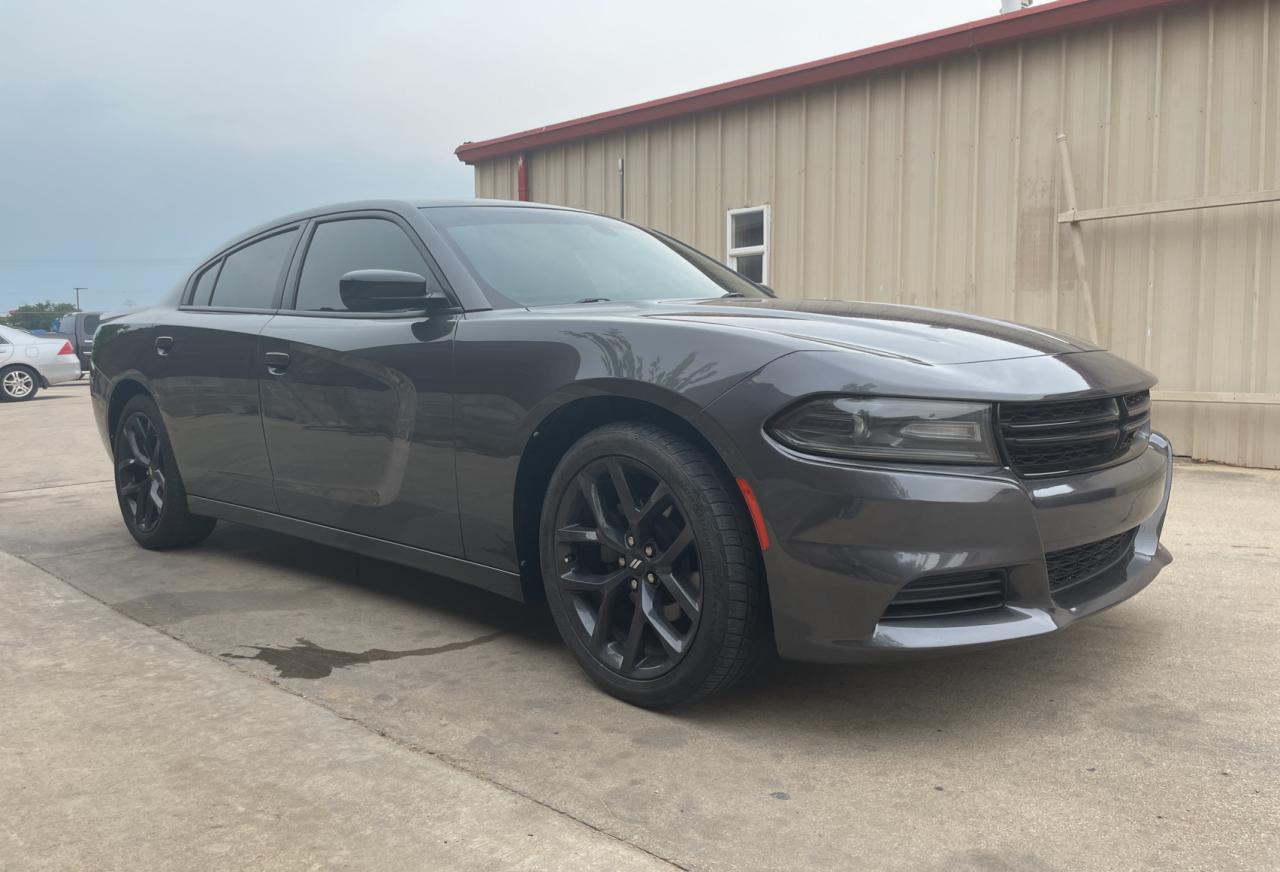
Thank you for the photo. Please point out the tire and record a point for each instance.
(153, 502)
(18, 384)
(663, 603)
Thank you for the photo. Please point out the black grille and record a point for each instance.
(1071, 566)
(1074, 435)
(948, 595)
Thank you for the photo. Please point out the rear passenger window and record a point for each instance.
(251, 275)
(339, 247)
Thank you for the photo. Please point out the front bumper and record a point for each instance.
(847, 540)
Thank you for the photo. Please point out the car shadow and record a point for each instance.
(412, 588)
(1049, 681)
(911, 699)
(60, 391)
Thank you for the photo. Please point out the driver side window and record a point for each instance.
(341, 246)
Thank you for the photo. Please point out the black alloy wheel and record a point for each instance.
(140, 474)
(629, 567)
(152, 499)
(651, 566)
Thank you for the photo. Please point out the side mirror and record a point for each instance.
(386, 290)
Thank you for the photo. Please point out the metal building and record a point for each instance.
(935, 171)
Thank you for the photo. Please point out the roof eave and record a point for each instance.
(985, 33)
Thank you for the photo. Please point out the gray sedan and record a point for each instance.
(694, 473)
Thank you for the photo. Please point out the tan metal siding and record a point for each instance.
(939, 185)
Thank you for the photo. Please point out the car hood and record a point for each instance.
(920, 335)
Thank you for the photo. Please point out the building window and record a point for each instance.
(748, 244)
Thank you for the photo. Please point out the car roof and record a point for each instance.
(373, 205)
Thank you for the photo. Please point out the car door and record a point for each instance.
(357, 407)
(6, 348)
(205, 370)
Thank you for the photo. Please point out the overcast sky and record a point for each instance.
(137, 136)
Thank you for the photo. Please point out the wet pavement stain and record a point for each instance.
(309, 660)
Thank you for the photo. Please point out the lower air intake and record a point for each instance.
(942, 596)
(1072, 566)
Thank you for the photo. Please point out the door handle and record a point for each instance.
(277, 362)
(164, 344)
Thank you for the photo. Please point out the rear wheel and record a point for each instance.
(17, 383)
(651, 567)
(152, 499)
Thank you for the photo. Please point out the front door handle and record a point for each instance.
(277, 362)
(164, 344)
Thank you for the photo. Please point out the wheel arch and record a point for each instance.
(557, 430)
(123, 391)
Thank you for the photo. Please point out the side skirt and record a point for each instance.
(494, 580)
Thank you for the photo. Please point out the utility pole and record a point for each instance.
(78, 290)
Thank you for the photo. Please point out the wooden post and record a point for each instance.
(1077, 238)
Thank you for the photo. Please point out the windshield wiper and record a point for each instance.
(594, 300)
(725, 296)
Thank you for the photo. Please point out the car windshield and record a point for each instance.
(545, 257)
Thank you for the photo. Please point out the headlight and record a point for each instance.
(884, 428)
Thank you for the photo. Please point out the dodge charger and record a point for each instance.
(694, 473)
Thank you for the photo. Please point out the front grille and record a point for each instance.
(1073, 435)
(941, 596)
(1071, 566)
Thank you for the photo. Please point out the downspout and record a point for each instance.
(522, 177)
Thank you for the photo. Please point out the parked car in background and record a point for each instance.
(29, 363)
(543, 401)
(78, 328)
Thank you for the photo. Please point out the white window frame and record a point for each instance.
(735, 253)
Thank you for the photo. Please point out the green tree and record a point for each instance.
(37, 316)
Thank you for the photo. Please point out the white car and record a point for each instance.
(29, 362)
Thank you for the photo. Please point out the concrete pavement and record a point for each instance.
(1147, 737)
(124, 749)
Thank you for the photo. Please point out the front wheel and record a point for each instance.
(17, 383)
(152, 499)
(651, 567)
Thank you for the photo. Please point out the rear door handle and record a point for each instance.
(277, 362)
(164, 344)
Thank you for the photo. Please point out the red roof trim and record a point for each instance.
(984, 33)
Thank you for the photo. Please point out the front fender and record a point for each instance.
(515, 369)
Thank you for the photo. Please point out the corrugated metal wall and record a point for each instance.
(939, 185)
